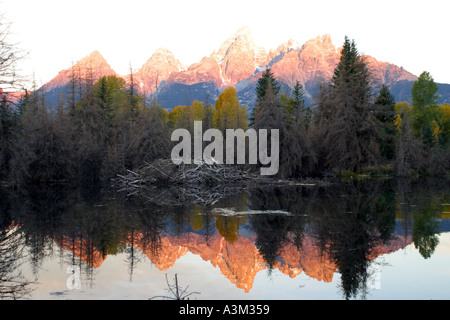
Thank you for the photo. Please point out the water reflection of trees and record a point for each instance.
(420, 208)
(347, 222)
(273, 231)
(13, 285)
(83, 227)
(350, 221)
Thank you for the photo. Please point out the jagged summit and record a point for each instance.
(290, 45)
(244, 31)
(96, 62)
(235, 60)
(242, 37)
(278, 53)
(324, 39)
(239, 57)
(157, 69)
(163, 51)
(163, 55)
(94, 56)
(93, 65)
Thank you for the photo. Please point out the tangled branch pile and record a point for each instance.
(202, 183)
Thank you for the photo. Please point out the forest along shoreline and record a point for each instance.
(104, 132)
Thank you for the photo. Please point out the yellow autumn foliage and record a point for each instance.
(401, 108)
(179, 117)
(229, 113)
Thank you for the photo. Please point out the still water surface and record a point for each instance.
(355, 240)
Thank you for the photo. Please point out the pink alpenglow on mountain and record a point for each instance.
(237, 62)
(157, 69)
(93, 66)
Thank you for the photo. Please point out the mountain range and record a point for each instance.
(238, 62)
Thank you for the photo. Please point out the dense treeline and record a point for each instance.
(102, 128)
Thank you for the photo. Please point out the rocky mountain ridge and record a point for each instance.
(237, 62)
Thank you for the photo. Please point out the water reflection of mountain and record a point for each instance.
(338, 228)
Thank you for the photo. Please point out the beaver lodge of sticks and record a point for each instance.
(166, 183)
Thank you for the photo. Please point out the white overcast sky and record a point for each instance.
(413, 34)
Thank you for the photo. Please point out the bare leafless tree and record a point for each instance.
(178, 293)
(13, 285)
(10, 56)
(409, 152)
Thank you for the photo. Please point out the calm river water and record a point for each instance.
(382, 239)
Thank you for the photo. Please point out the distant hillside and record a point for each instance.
(174, 94)
(402, 91)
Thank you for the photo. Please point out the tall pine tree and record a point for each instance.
(295, 158)
(267, 78)
(351, 137)
(299, 104)
(261, 88)
(268, 115)
(384, 111)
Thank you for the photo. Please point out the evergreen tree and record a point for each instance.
(287, 108)
(295, 158)
(103, 94)
(42, 146)
(133, 94)
(385, 99)
(346, 72)
(301, 153)
(299, 104)
(294, 106)
(351, 136)
(385, 114)
(261, 87)
(110, 93)
(268, 114)
(320, 120)
(298, 158)
(263, 82)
